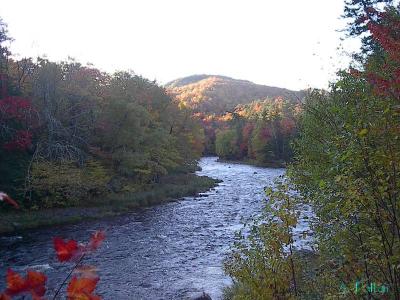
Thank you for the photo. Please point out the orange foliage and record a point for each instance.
(70, 250)
(34, 284)
(82, 289)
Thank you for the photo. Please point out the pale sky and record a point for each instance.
(292, 44)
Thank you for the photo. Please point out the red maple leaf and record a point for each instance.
(15, 283)
(65, 250)
(82, 289)
(34, 283)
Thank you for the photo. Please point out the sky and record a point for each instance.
(292, 44)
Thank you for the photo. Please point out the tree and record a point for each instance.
(226, 144)
(358, 11)
(4, 52)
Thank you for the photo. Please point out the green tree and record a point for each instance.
(226, 144)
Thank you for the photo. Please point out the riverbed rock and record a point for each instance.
(203, 296)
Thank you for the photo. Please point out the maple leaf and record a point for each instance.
(34, 283)
(65, 250)
(82, 289)
(15, 283)
(96, 240)
(4, 197)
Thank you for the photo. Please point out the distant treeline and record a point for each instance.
(260, 131)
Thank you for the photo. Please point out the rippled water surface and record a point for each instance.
(171, 251)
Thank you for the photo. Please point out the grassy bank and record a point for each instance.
(173, 187)
(275, 164)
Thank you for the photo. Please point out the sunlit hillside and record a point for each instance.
(214, 93)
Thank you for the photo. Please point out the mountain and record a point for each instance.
(217, 94)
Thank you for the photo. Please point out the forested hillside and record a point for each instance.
(217, 94)
(71, 134)
(259, 132)
(241, 120)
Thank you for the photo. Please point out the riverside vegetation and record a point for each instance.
(346, 166)
(73, 136)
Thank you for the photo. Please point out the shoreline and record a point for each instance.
(274, 165)
(109, 206)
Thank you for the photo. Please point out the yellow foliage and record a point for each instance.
(66, 184)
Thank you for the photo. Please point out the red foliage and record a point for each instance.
(246, 134)
(66, 250)
(70, 250)
(387, 35)
(79, 288)
(16, 116)
(15, 108)
(385, 78)
(82, 289)
(15, 283)
(247, 130)
(34, 283)
(287, 125)
(21, 141)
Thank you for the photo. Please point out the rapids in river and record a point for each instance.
(170, 251)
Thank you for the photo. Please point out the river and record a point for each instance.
(170, 251)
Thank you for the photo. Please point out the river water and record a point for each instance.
(170, 251)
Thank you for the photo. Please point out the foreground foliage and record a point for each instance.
(82, 284)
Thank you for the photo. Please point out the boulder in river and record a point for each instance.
(203, 296)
